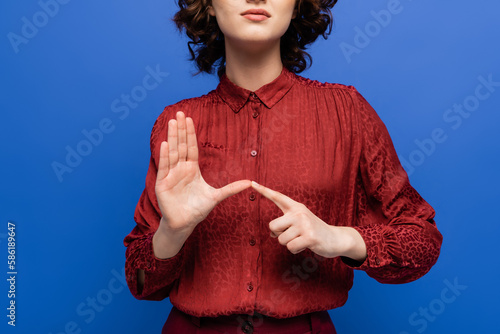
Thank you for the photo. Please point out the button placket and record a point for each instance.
(255, 103)
(255, 109)
(251, 278)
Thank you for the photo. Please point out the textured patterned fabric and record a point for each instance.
(322, 145)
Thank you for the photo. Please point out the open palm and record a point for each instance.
(184, 198)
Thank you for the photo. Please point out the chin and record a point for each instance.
(256, 39)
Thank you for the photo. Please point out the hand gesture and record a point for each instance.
(184, 198)
(299, 229)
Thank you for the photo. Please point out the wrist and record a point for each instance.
(165, 228)
(355, 244)
(168, 243)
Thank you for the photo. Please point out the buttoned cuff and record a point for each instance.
(382, 248)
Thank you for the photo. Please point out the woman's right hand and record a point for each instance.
(184, 198)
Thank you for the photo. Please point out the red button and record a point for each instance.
(252, 242)
(252, 197)
(249, 287)
(253, 153)
(255, 114)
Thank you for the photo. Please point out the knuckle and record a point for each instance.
(302, 208)
(299, 215)
(308, 235)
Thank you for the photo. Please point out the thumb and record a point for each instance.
(232, 189)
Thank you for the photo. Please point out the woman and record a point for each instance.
(238, 256)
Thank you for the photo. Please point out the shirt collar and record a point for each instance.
(236, 96)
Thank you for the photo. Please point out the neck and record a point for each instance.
(252, 68)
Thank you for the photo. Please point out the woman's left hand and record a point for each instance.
(299, 229)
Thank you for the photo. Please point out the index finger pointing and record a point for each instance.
(282, 201)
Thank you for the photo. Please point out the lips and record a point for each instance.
(256, 12)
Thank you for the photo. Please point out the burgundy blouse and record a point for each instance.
(322, 145)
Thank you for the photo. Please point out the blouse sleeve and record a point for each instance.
(396, 223)
(160, 274)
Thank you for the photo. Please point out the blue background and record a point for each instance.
(63, 80)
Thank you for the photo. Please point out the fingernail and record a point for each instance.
(255, 183)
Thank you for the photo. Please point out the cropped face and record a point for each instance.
(253, 22)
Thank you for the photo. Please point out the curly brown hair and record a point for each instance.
(206, 47)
